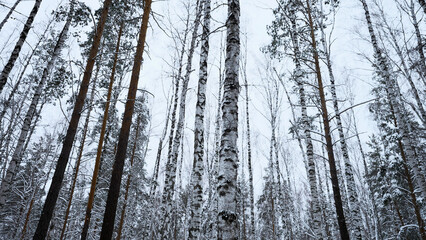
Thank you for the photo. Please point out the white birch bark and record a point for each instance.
(17, 155)
(17, 49)
(390, 84)
(228, 161)
(198, 165)
(354, 207)
(171, 167)
(311, 172)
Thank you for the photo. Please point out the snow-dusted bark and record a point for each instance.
(15, 53)
(344, 234)
(403, 127)
(419, 38)
(171, 167)
(354, 207)
(198, 165)
(311, 170)
(228, 161)
(17, 154)
(9, 13)
(404, 66)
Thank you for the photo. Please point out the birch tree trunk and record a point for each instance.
(15, 53)
(117, 169)
(404, 128)
(249, 159)
(170, 175)
(311, 170)
(354, 207)
(198, 165)
(58, 176)
(17, 154)
(228, 161)
(11, 10)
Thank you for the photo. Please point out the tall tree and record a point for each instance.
(198, 164)
(117, 170)
(228, 157)
(17, 155)
(58, 176)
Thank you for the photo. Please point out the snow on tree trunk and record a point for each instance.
(354, 208)
(17, 154)
(404, 127)
(311, 172)
(58, 176)
(228, 161)
(344, 234)
(171, 167)
(15, 53)
(198, 165)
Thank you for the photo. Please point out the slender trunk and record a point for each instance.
(198, 165)
(17, 155)
(404, 128)
(58, 176)
(377, 223)
(126, 195)
(117, 169)
(405, 68)
(249, 162)
(16, 86)
(311, 170)
(170, 175)
(80, 155)
(15, 53)
(101, 139)
(354, 208)
(344, 234)
(11, 10)
(228, 161)
(154, 180)
(420, 43)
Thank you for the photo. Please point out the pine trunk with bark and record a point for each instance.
(344, 234)
(354, 207)
(311, 170)
(117, 169)
(101, 139)
(62, 162)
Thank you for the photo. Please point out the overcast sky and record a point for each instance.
(255, 15)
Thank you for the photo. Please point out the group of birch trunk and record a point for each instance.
(65, 181)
